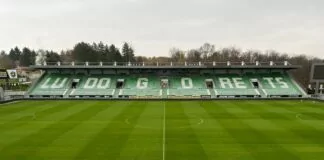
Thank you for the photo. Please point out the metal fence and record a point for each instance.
(228, 63)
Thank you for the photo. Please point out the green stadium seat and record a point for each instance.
(188, 92)
(92, 92)
(142, 92)
(91, 89)
(288, 88)
(237, 92)
(52, 85)
(270, 84)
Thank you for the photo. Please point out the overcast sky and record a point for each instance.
(154, 26)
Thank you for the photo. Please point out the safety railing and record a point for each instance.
(228, 63)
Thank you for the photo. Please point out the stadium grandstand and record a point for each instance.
(166, 80)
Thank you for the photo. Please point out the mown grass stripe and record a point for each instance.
(150, 127)
(29, 145)
(15, 134)
(299, 104)
(304, 109)
(25, 112)
(206, 136)
(18, 107)
(280, 132)
(110, 141)
(68, 145)
(181, 141)
(215, 115)
(46, 110)
(255, 141)
(305, 131)
(226, 146)
(307, 141)
(248, 130)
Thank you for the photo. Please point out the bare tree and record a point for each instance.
(207, 51)
(177, 55)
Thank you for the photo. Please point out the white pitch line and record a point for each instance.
(163, 157)
(298, 116)
(12, 102)
(201, 121)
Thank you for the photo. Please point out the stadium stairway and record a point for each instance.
(262, 94)
(67, 94)
(164, 93)
(117, 92)
(212, 93)
(70, 90)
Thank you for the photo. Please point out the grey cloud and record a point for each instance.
(153, 26)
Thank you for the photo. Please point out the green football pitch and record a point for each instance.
(162, 130)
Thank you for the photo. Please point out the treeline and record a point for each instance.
(207, 52)
(97, 52)
(81, 52)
